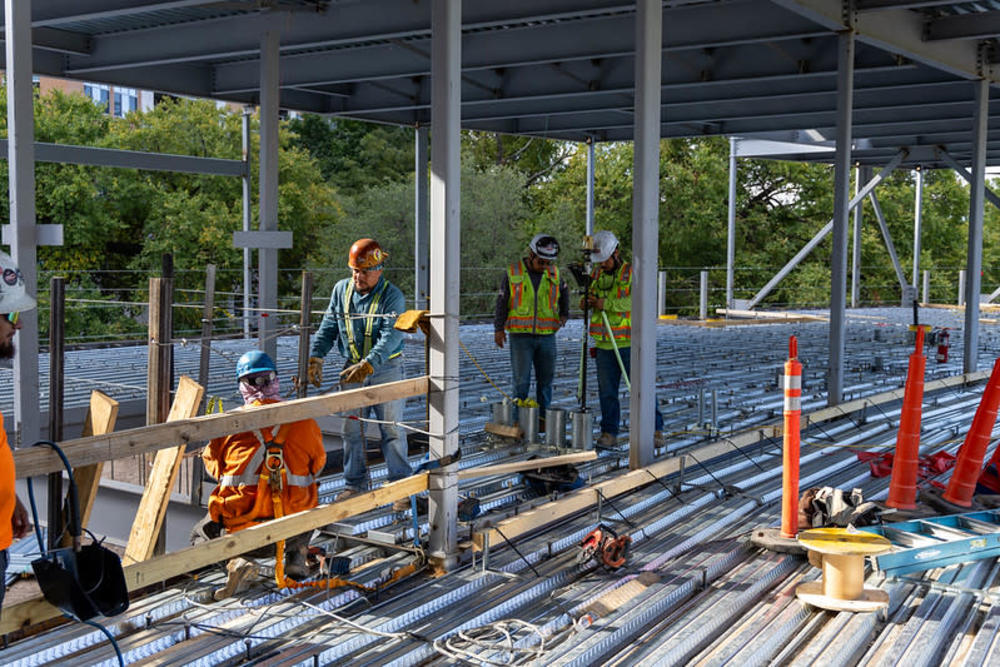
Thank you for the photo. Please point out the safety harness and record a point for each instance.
(369, 323)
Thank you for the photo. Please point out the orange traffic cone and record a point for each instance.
(790, 456)
(962, 485)
(903, 487)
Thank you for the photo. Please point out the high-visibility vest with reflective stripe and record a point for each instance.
(616, 285)
(528, 312)
(8, 497)
(236, 460)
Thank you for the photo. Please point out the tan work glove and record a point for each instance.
(315, 371)
(356, 373)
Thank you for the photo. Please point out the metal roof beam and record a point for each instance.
(980, 25)
(877, 5)
(60, 41)
(57, 12)
(899, 31)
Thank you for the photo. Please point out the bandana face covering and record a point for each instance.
(253, 393)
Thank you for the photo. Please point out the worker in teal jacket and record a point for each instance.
(359, 318)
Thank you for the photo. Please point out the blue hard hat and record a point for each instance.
(254, 361)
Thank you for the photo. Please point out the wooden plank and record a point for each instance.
(504, 430)
(162, 568)
(33, 461)
(101, 417)
(519, 466)
(153, 505)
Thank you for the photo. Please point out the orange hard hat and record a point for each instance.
(366, 254)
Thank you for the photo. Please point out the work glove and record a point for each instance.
(315, 371)
(356, 373)
(410, 320)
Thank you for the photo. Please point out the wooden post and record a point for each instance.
(153, 506)
(101, 417)
(204, 367)
(304, 326)
(57, 320)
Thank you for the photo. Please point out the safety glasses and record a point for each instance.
(13, 317)
(261, 379)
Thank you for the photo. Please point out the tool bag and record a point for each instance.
(83, 581)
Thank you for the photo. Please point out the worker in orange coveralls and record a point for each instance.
(241, 498)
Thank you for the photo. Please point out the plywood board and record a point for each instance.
(153, 505)
(520, 466)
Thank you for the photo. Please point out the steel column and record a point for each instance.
(421, 218)
(731, 226)
(591, 166)
(21, 157)
(247, 215)
(918, 210)
(856, 245)
(841, 209)
(446, 98)
(927, 286)
(974, 261)
(267, 258)
(645, 228)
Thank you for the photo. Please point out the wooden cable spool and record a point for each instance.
(840, 554)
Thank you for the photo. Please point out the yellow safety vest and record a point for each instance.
(528, 312)
(612, 286)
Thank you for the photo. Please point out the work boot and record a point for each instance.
(345, 494)
(607, 441)
(297, 565)
(659, 440)
(241, 572)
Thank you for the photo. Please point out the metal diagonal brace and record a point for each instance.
(888, 240)
(822, 233)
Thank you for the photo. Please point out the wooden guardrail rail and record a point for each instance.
(33, 461)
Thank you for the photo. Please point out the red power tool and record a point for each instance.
(605, 546)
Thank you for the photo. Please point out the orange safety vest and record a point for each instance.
(528, 312)
(7, 493)
(612, 286)
(236, 461)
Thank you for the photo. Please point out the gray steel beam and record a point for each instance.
(977, 25)
(731, 224)
(422, 221)
(58, 12)
(267, 258)
(887, 237)
(898, 31)
(821, 234)
(645, 229)
(109, 157)
(918, 208)
(446, 58)
(841, 211)
(974, 260)
(60, 41)
(880, 5)
(21, 177)
(603, 35)
(947, 158)
(247, 210)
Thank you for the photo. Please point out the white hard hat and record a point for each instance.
(545, 246)
(605, 244)
(13, 296)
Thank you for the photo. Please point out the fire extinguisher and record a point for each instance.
(943, 345)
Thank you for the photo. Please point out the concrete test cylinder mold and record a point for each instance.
(527, 418)
(555, 427)
(582, 429)
(503, 413)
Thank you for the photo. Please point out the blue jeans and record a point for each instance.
(393, 448)
(4, 561)
(609, 377)
(527, 351)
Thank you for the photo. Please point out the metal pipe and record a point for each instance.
(974, 257)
